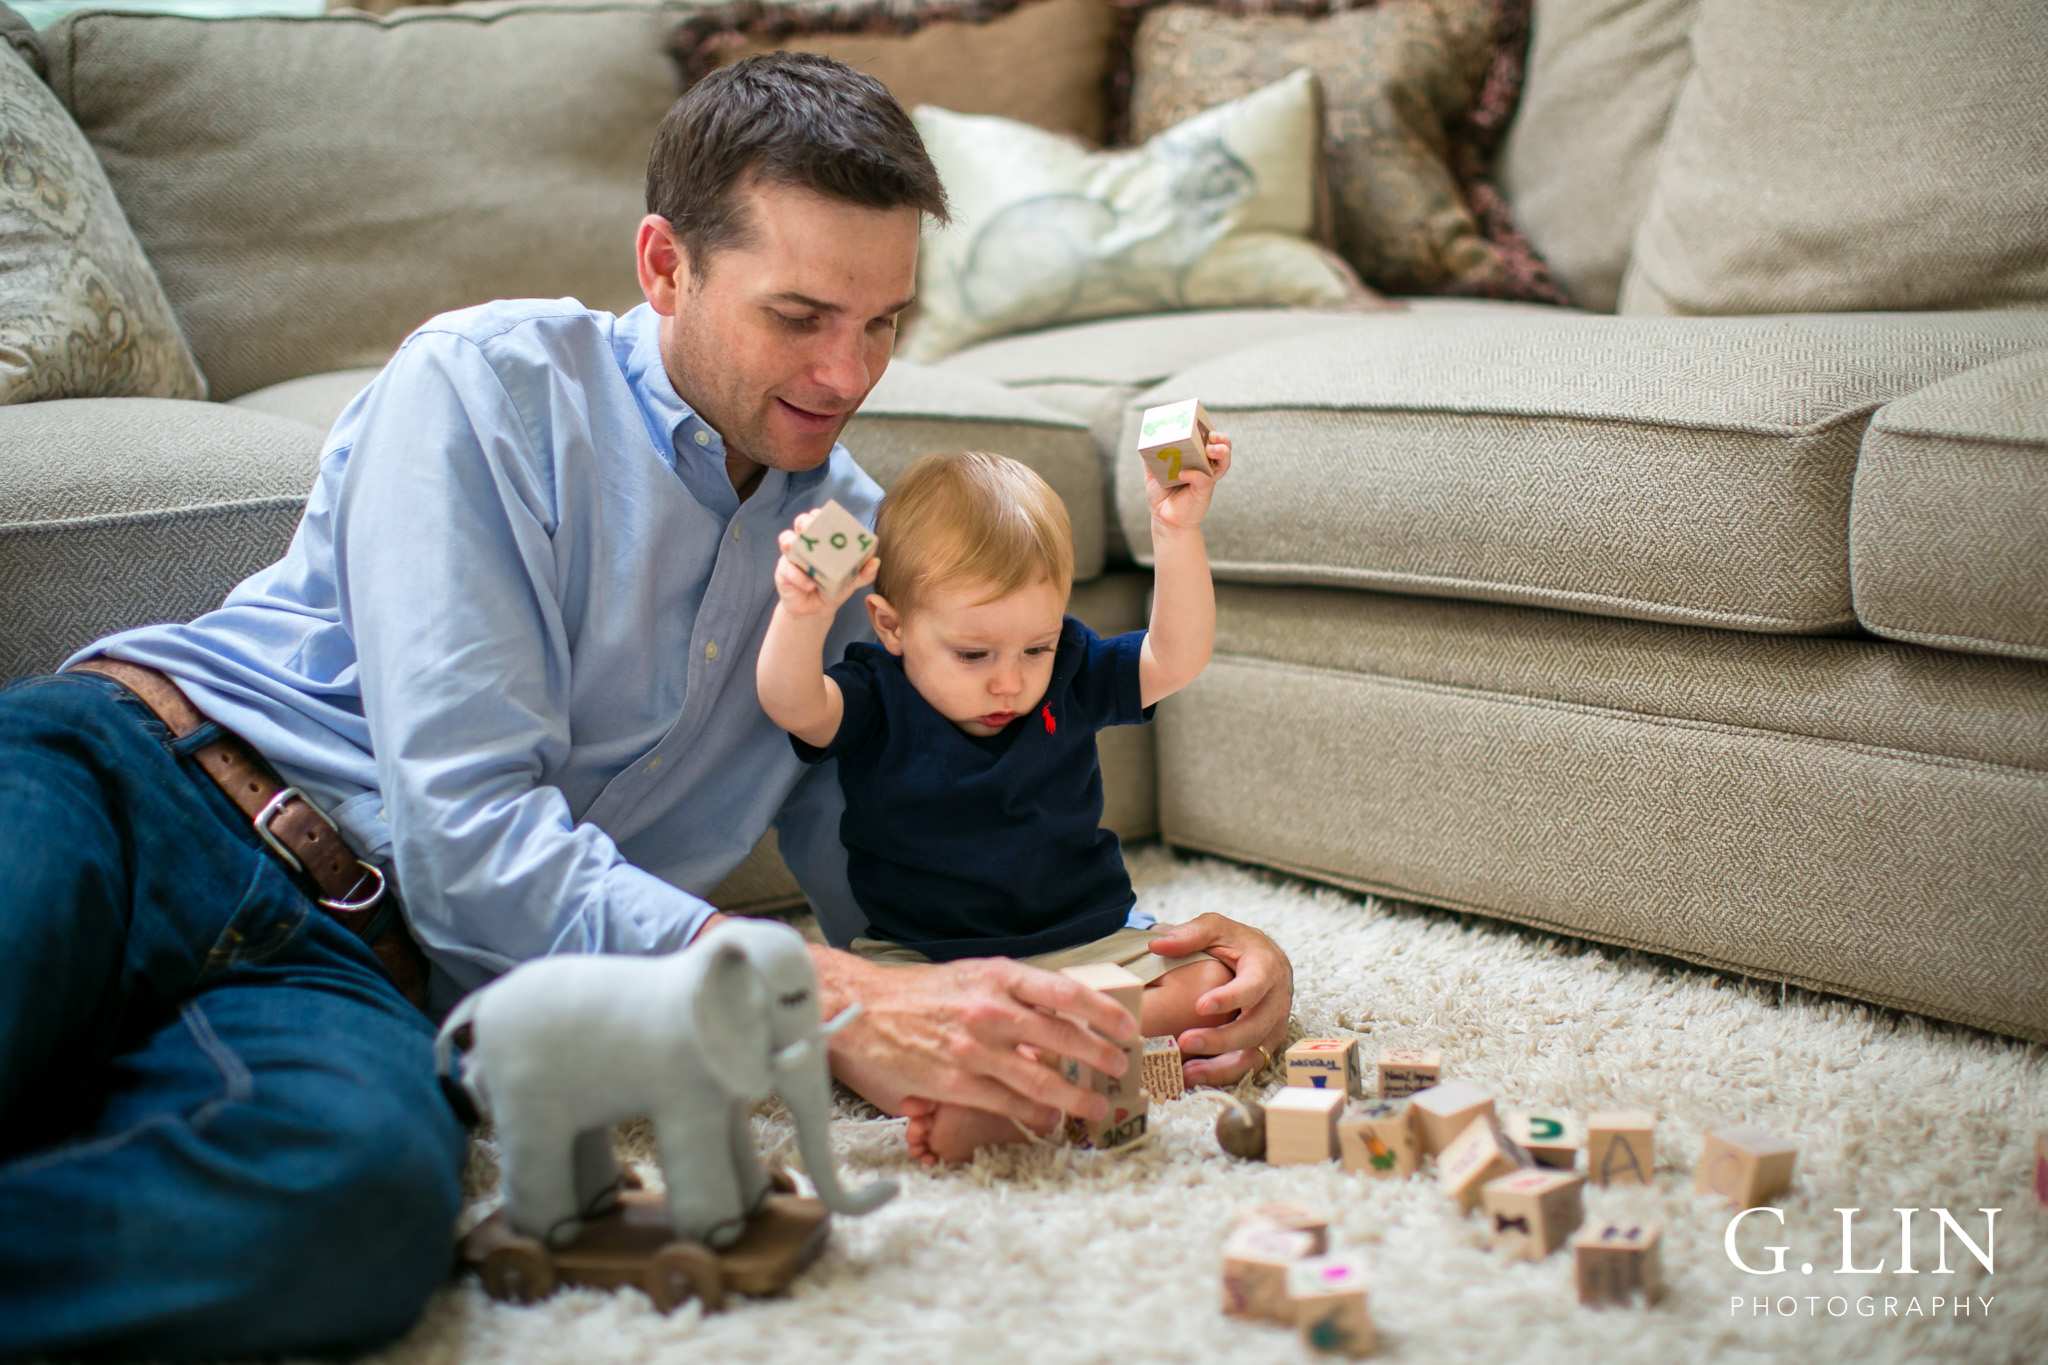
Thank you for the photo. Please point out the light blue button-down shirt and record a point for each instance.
(512, 646)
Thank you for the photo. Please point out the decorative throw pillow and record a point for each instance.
(81, 312)
(1046, 63)
(1211, 213)
(1412, 210)
(1890, 154)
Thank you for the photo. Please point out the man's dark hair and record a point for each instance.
(793, 118)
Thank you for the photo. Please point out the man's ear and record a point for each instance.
(888, 625)
(664, 265)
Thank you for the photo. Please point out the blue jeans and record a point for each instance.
(220, 1128)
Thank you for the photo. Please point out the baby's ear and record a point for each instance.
(888, 625)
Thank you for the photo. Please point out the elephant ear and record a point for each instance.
(732, 1022)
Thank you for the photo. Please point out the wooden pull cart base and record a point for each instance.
(632, 1245)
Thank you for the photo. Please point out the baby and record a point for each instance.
(966, 738)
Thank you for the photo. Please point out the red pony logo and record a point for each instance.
(1051, 726)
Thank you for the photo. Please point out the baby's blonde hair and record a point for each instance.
(971, 517)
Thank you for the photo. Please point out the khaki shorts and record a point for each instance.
(1126, 948)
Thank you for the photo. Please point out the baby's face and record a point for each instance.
(980, 664)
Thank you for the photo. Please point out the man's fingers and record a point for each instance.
(1063, 995)
(1052, 1035)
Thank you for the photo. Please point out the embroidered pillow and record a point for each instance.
(81, 312)
(1414, 91)
(1211, 213)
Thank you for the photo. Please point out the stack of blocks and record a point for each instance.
(833, 548)
(1127, 1102)
(1324, 1064)
(1256, 1260)
(1744, 1165)
(1277, 1267)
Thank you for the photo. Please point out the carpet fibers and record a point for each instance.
(1056, 1256)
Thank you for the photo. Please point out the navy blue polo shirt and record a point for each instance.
(964, 846)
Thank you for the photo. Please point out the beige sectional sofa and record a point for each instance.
(1725, 638)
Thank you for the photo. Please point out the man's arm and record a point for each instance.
(1183, 628)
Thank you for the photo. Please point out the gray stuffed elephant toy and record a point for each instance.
(563, 1047)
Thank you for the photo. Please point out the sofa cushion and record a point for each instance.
(1948, 525)
(82, 314)
(1828, 157)
(315, 399)
(122, 511)
(1695, 471)
(313, 189)
(1854, 816)
(1578, 160)
(1046, 62)
(917, 409)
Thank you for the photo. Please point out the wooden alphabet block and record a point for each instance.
(1550, 1137)
(1745, 1165)
(1328, 1298)
(1479, 1154)
(1615, 1262)
(1621, 1149)
(1531, 1212)
(1405, 1070)
(1173, 437)
(1301, 1125)
(1376, 1136)
(833, 547)
(1287, 1217)
(1162, 1075)
(1324, 1064)
(2041, 1170)
(1441, 1112)
(1128, 1107)
(1255, 1265)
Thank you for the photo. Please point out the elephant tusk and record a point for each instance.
(793, 1056)
(839, 1020)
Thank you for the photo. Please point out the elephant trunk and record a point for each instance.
(808, 1096)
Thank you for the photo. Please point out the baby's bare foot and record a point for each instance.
(958, 1132)
(917, 1131)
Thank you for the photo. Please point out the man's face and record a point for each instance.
(777, 341)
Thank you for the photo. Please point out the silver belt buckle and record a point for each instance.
(262, 823)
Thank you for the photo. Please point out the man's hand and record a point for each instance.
(952, 1033)
(1261, 990)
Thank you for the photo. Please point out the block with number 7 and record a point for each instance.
(1174, 437)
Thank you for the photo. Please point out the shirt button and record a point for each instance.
(711, 650)
(654, 763)
(702, 438)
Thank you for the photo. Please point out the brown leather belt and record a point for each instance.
(297, 831)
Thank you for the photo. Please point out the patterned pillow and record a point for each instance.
(1414, 92)
(1212, 213)
(81, 312)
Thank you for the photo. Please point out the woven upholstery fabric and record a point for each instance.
(917, 409)
(1110, 605)
(1907, 876)
(1578, 160)
(1046, 62)
(1948, 526)
(315, 399)
(1693, 471)
(122, 511)
(1852, 154)
(82, 314)
(313, 189)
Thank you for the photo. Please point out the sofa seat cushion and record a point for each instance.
(122, 511)
(1948, 526)
(1856, 816)
(1694, 471)
(315, 399)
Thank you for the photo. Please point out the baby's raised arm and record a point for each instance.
(790, 674)
(1183, 630)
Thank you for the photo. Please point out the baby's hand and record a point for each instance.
(801, 594)
(1182, 507)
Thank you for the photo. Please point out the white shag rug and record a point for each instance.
(1058, 1256)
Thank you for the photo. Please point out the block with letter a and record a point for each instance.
(1621, 1149)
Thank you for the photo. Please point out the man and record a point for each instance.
(510, 656)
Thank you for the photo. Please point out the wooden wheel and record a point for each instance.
(521, 1272)
(680, 1270)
